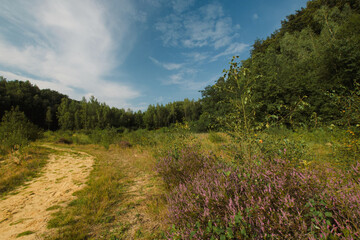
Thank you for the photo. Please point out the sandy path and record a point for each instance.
(65, 173)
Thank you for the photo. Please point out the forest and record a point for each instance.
(270, 150)
(295, 77)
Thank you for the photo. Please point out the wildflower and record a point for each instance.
(260, 141)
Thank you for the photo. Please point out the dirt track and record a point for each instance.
(65, 173)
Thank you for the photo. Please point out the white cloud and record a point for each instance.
(68, 45)
(232, 49)
(167, 66)
(41, 84)
(181, 5)
(207, 26)
(186, 79)
(197, 57)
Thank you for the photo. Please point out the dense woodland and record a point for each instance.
(52, 110)
(298, 76)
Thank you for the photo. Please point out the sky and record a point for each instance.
(131, 53)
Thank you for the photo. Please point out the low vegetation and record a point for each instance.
(275, 183)
(21, 166)
(123, 198)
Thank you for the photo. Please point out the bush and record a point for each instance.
(81, 138)
(64, 141)
(16, 131)
(140, 137)
(263, 198)
(215, 137)
(182, 163)
(104, 137)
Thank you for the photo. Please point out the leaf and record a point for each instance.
(328, 214)
(230, 233)
(243, 231)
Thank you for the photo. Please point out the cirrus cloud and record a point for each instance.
(69, 44)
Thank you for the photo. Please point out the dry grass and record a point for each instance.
(124, 198)
(18, 167)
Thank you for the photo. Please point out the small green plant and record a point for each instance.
(16, 131)
(216, 137)
(26, 233)
(21, 166)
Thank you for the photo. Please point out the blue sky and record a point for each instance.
(131, 53)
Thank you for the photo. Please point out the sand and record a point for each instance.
(27, 210)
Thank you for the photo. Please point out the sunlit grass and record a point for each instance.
(21, 166)
(121, 185)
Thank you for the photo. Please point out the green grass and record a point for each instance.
(26, 233)
(53, 208)
(20, 167)
(19, 221)
(101, 209)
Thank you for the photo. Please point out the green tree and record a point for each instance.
(16, 130)
(48, 117)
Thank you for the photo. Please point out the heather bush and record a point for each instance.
(181, 163)
(261, 199)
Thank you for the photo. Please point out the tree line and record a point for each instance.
(52, 110)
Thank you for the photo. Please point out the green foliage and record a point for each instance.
(26, 233)
(216, 137)
(103, 137)
(287, 79)
(94, 202)
(16, 131)
(35, 103)
(175, 112)
(21, 166)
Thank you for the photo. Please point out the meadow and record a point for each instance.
(173, 183)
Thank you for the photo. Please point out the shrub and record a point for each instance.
(263, 198)
(81, 138)
(104, 137)
(215, 137)
(16, 131)
(124, 144)
(64, 141)
(181, 163)
(141, 137)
